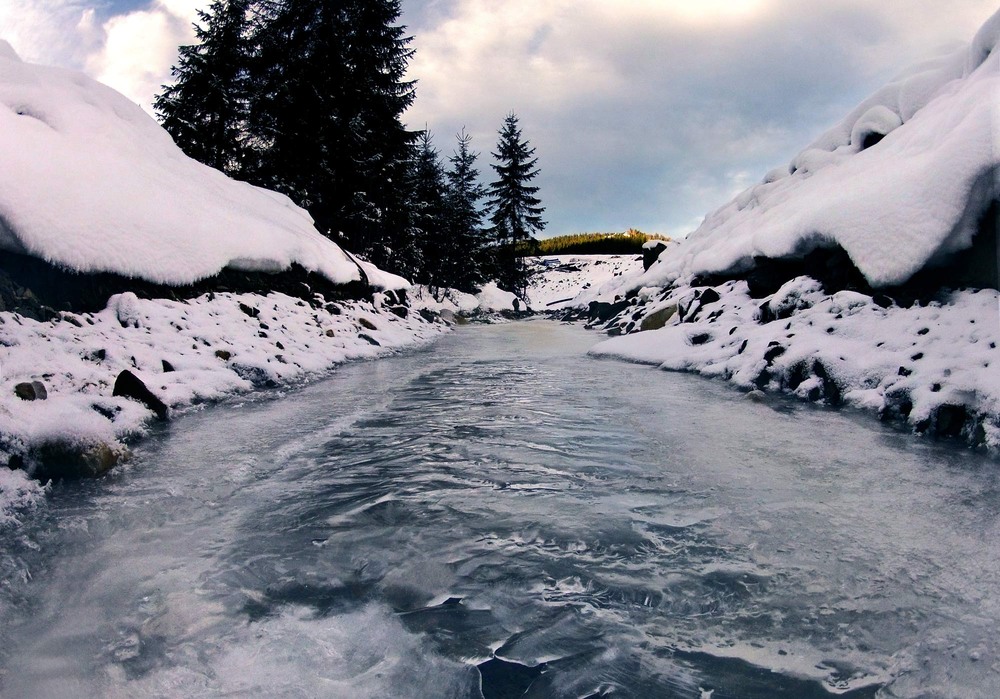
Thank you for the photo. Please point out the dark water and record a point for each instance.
(501, 516)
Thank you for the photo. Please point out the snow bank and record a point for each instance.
(572, 281)
(899, 184)
(91, 183)
(936, 367)
(186, 353)
(490, 301)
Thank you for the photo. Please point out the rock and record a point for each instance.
(365, 323)
(249, 310)
(401, 311)
(369, 339)
(709, 296)
(602, 311)
(773, 352)
(447, 315)
(15, 462)
(949, 420)
(330, 333)
(658, 319)
(167, 366)
(224, 355)
(700, 338)
(64, 460)
(128, 385)
(126, 308)
(755, 395)
(31, 390)
(651, 253)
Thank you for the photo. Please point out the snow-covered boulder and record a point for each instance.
(901, 184)
(91, 183)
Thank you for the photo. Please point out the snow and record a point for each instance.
(213, 346)
(881, 359)
(572, 281)
(895, 207)
(489, 301)
(92, 183)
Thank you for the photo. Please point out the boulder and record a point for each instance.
(657, 319)
(602, 311)
(56, 460)
(651, 252)
(128, 385)
(31, 390)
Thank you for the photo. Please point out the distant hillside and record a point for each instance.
(627, 243)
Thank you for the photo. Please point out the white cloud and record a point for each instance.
(131, 52)
(140, 47)
(645, 108)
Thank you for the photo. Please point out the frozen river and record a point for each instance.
(502, 516)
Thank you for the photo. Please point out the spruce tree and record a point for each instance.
(308, 101)
(332, 97)
(206, 109)
(428, 213)
(516, 211)
(467, 262)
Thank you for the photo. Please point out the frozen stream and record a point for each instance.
(602, 529)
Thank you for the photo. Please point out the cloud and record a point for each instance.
(132, 51)
(650, 113)
(140, 47)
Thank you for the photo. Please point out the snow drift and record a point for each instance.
(900, 184)
(91, 183)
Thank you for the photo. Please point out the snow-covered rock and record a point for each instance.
(573, 281)
(91, 183)
(900, 183)
(490, 301)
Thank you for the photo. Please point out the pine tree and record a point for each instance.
(206, 109)
(468, 260)
(306, 100)
(428, 213)
(516, 211)
(333, 96)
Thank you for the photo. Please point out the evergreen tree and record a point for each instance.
(516, 211)
(332, 97)
(308, 102)
(468, 260)
(206, 109)
(428, 214)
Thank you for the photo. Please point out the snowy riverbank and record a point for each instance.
(185, 352)
(864, 273)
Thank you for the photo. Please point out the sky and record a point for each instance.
(644, 114)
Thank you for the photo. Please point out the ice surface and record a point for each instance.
(90, 182)
(893, 207)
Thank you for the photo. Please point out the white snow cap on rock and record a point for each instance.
(91, 183)
(903, 202)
